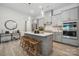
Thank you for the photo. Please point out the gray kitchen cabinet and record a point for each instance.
(65, 15)
(41, 21)
(54, 20)
(70, 41)
(57, 36)
(57, 20)
(54, 36)
(73, 14)
(70, 14)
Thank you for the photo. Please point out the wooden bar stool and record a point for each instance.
(31, 45)
(24, 43)
(34, 50)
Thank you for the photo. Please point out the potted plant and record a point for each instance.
(41, 29)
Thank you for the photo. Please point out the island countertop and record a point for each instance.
(39, 34)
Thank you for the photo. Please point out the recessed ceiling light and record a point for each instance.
(31, 11)
(40, 6)
(29, 4)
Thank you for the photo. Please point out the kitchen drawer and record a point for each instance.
(70, 41)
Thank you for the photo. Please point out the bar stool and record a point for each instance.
(31, 45)
(24, 43)
(34, 47)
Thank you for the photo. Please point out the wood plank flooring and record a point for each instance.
(64, 50)
(13, 48)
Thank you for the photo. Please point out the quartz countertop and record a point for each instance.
(39, 34)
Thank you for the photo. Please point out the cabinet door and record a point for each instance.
(70, 15)
(59, 36)
(54, 36)
(57, 20)
(65, 15)
(73, 14)
(70, 41)
(41, 22)
(54, 20)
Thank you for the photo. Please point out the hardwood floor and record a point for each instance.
(13, 49)
(64, 50)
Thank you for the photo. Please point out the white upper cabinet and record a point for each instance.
(41, 21)
(65, 15)
(53, 20)
(56, 20)
(70, 15)
(73, 13)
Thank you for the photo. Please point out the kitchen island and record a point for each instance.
(47, 41)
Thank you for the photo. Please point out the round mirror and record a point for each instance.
(10, 24)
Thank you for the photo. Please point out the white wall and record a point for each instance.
(9, 14)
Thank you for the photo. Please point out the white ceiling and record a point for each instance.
(34, 8)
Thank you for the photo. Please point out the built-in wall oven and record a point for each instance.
(70, 33)
(70, 29)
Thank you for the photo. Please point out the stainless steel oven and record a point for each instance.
(70, 26)
(70, 29)
(70, 33)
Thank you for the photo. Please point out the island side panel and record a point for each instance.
(47, 43)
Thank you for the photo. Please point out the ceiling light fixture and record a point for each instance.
(31, 11)
(40, 6)
(27, 4)
(42, 11)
